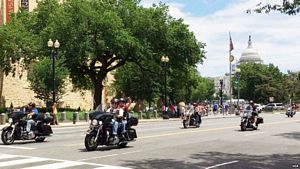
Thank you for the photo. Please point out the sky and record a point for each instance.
(275, 36)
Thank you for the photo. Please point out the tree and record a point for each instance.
(287, 7)
(17, 45)
(292, 83)
(97, 37)
(41, 81)
(258, 82)
(204, 89)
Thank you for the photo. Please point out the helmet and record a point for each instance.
(31, 104)
(122, 100)
(251, 102)
(115, 101)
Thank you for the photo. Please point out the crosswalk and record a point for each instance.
(8, 161)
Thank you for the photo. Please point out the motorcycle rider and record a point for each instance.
(32, 114)
(197, 114)
(113, 110)
(254, 113)
(123, 114)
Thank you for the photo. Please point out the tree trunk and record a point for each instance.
(98, 94)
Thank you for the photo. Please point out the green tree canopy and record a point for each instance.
(286, 6)
(258, 82)
(99, 36)
(41, 81)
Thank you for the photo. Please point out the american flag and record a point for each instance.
(230, 43)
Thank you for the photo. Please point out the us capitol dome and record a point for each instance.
(250, 54)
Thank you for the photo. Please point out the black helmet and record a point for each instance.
(122, 100)
(115, 100)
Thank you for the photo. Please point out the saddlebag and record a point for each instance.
(260, 120)
(130, 134)
(46, 130)
(133, 121)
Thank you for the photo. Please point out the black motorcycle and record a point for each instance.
(17, 128)
(100, 131)
(189, 118)
(248, 119)
(290, 113)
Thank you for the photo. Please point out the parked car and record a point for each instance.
(275, 106)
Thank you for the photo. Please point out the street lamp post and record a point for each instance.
(54, 52)
(221, 94)
(238, 75)
(165, 60)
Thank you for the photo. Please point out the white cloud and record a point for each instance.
(275, 36)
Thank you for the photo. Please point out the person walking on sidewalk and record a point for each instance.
(54, 112)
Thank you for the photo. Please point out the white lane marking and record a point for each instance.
(17, 147)
(58, 163)
(255, 133)
(23, 161)
(7, 156)
(64, 164)
(110, 155)
(111, 167)
(218, 165)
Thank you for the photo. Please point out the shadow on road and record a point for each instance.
(208, 159)
(105, 148)
(292, 135)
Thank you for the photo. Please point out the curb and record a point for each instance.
(147, 121)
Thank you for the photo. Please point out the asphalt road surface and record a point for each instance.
(218, 143)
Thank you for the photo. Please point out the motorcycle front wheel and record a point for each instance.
(243, 126)
(7, 137)
(90, 142)
(185, 123)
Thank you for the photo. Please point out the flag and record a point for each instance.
(230, 43)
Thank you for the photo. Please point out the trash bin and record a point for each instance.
(86, 116)
(2, 119)
(63, 116)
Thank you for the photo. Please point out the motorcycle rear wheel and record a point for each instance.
(5, 137)
(90, 143)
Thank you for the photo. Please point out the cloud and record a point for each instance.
(275, 36)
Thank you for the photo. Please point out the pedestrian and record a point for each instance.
(54, 112)
(215, 108)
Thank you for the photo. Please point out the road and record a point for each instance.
(218, 143)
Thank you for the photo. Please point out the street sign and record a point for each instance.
(271, 99)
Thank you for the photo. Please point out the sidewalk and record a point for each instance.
(84, 123)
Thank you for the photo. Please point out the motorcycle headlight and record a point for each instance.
(10, 120)
(95, 122)
(100, 122)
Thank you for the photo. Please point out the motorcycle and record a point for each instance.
(100, 131)
(290, 112)
(190, 119)
(17, 128)
(248, 119)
